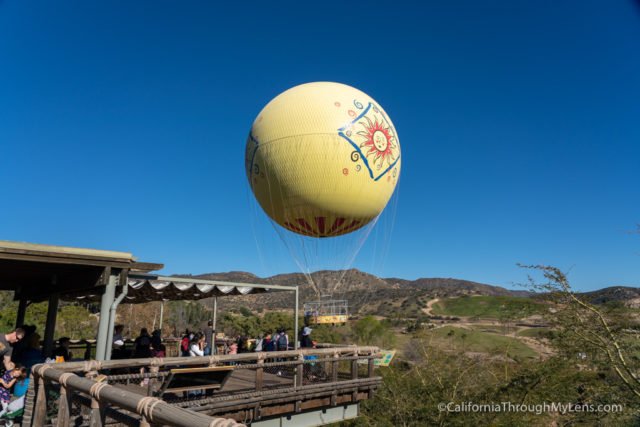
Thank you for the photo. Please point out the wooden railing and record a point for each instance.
(261, 384)
(151, 410)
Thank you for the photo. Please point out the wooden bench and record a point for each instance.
(194, 379)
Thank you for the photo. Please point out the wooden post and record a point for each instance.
(354, 367)
(98, 408)
(260, 373)
(153, 369)
(300, 370)
(354, 375)
(29, 401)
(97, 414)
(50, 327)
(40, 411)
(370, 367)
(22, 310)
(64, 406)
(334, 367)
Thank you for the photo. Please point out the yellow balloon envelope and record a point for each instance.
(323, 159)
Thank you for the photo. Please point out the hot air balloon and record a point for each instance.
(322, 160)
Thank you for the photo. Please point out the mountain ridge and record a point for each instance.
(370, 294)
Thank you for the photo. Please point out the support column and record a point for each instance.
(112, 315)
(295, 322)
(105, 306)
(215, 312)
(22, 310)
(50, 327)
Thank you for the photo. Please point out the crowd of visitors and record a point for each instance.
(204, 343)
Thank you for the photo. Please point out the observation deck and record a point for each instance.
(265, 389)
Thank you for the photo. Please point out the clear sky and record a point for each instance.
(123, 126)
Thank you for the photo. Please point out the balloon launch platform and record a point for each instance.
(309, 387)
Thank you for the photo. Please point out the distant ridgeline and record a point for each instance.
(369, 294)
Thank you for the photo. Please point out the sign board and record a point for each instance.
(385, 360)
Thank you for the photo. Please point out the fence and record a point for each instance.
(199, 391)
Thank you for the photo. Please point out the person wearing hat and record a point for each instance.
(305, 341)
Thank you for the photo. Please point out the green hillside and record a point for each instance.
(497, 307)
(464, 340)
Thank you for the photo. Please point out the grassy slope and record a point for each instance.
(535, 332)
(489, 307)
(463, 340)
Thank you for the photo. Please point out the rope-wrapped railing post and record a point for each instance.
(299, 370)
(354, 366)
(335, 367)
(40, 409)
(64, 402)
(354, 375)
(152, 380)
(260, 373)
(96, 413)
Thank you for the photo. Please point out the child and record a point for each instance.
(7, 381)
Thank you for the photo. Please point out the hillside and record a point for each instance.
(627, 295)
(366, 293)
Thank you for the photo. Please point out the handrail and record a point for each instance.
(95, 365)
(153, 410)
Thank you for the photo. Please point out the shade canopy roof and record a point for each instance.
(143, 288)
(35, 271)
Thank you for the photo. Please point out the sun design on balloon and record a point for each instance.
(380, 141)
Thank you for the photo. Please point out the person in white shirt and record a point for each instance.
(197, 345)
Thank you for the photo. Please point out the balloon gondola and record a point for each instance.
(326, 311)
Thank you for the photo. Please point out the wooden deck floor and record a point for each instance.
(237, 381)
(245, 380)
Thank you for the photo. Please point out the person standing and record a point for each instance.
(6, 345)
(259, 344)
(305, 340)
(197, 345)
(268, 344)
(210, 339)
(185, 343)
(282, 341)
(142, 344)
(117, 345)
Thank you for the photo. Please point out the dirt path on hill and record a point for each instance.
(540, 347)
(429, 307)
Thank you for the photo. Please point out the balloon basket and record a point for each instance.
(327, 311)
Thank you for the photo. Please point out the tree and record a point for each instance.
(595, 336)
(371, 331)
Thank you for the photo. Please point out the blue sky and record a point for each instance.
(123, 126)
